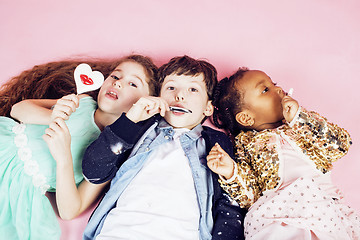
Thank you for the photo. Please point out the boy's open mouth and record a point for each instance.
(179, 109)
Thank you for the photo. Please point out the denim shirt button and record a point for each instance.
(147, 149)
(166, 137)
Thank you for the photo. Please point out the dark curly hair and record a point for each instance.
(55, 79)
(228, 101)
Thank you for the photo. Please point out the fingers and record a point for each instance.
(216, 153)
(217, 150)
(154, 105)
(52, 129)
(61, 112)
(290, 107)
(61, 123)
(65, 106)
(73, 98)
(288, 99)
(212, 157)
(213, 164)
(220, 162)
(58, 139)
(146, 107)
(286, 102)
(164, 107)
(46, 138)
(56, 128)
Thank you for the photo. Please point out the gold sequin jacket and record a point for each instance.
(257, 153)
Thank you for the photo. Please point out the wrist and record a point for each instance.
(230, 177)
(63, 166)
(131, 117)
(229, 174)
(295, 117)
(64, 161)
(134, 112)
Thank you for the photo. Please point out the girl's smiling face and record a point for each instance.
(124, 86)
(262, 100)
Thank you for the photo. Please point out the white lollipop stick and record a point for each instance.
(179, 109)
(290, 93)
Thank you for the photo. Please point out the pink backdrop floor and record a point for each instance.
(311, 46)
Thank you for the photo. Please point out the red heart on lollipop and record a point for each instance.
(86, 79)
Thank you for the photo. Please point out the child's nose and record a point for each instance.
(117, 84)
(179, 98)
(180, 95)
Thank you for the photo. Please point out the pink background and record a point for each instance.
(312, 46)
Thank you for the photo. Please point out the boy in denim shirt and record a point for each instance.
(155, 157)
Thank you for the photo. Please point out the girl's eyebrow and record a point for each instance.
(134, 75)
(259, 83)
(170, 81)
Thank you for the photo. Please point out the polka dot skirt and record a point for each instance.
(303, 209)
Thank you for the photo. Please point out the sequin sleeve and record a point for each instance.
(244, 188)
(322, 141)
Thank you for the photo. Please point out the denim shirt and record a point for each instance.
(194, 146)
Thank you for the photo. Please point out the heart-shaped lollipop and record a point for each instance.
(86, 79)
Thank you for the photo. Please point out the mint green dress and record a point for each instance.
(28, 170)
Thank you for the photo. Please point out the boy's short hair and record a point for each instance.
(186, 65)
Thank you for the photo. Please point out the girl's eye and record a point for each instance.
(265, 90)
(115, 77)
(193, 90)
(132, 84)
(275, 84)
(171, 88)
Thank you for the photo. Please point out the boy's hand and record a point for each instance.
(147, 107)
(220, 162)
(58, 139)
(64, 107)
(290, 107)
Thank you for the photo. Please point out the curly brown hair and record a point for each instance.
(55, 79)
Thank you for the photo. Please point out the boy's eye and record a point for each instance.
(115, 77)
(275, 84)
(170, 88)
(193, 90)
(132, 84)
(265, 90)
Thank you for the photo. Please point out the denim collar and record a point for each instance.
(193, 134)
